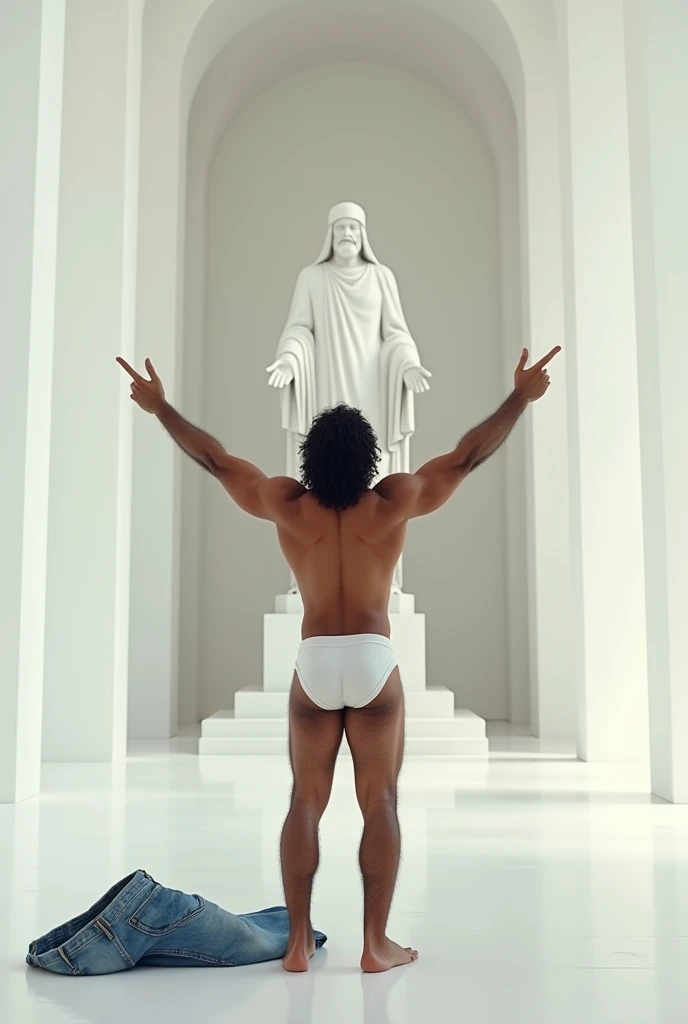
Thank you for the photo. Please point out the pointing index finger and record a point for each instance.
(130, 370)
(548, 358)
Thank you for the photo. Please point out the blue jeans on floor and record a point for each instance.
(140, 923)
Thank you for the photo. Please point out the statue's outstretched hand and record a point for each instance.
(532, 382)
(281, 374)
(416, 379)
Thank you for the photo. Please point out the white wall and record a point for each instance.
(431, 194)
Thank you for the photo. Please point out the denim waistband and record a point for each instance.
(66, 940)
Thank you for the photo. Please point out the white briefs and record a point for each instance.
(344, 671)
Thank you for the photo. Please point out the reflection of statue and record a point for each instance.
(346, 340)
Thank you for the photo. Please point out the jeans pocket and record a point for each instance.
(165, 910)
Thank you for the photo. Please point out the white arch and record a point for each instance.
(492, 24)
(290, 40)
(303, 35)
(179, 47)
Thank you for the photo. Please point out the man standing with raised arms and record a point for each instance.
(342, 540)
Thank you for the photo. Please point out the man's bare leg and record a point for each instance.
(314, 740)
(376, 737)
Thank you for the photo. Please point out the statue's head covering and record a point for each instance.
(350, 211)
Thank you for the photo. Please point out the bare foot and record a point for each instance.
(380, 958)
(298, 954)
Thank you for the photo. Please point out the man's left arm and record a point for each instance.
(247, 485)
(244, 482)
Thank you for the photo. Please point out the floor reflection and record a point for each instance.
(537, 888)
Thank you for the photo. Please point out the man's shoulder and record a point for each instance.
(282, 493)
(398, 488)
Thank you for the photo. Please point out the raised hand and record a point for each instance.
(149, 394)
(532, 382)
(416, 379)
(281, 374)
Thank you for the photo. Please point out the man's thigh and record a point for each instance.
(375, 734)
(315, 736)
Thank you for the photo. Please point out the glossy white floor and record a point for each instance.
(537, 889)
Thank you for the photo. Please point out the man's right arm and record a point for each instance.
(434, 483)
(437, 480)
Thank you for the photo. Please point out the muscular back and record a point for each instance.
(343, 562)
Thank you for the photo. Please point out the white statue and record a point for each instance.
(346, 340)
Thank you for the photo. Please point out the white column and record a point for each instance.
(90, 483)
(153, 659)
(606, 512)
(657, 31)
(549, 555)
(31, 56)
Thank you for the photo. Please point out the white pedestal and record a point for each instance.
(258, 723)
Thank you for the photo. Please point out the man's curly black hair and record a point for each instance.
(339, 457)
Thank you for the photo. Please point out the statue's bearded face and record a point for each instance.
(346, 238)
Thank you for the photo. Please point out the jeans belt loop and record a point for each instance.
(100, 923)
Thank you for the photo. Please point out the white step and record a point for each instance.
(254, 702)
(427, 746)
(225, 725)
